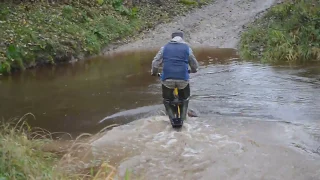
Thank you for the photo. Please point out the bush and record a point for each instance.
(46, 34)
(288, 32)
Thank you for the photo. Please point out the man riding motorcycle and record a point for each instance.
(176, 55)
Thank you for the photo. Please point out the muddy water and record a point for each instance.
(255, 121)
(87, 96)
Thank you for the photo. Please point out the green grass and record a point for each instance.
(31, 153)
(39, 33)
(287, 33)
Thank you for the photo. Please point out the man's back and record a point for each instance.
(172, 53)
(175, 61)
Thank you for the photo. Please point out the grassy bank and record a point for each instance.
(30, 153)
(287, 33)
(35, 33)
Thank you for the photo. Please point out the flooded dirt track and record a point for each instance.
(89, 95)
(255, 122)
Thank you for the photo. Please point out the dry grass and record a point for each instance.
(31, 153)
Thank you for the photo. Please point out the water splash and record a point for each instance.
(205, 149)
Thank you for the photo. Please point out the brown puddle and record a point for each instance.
(75, 97)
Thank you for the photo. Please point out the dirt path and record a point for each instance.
(216, 25)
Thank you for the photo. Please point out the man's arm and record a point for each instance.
(156, 62)
(193, 61)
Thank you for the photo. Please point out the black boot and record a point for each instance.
(184, 109)
(170, 109)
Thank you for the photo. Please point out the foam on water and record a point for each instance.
(207, 148)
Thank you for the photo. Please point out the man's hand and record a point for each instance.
(193, 70)
(152, 73)
(193, 62)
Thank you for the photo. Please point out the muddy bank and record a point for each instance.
(216, 25)
(74, 29)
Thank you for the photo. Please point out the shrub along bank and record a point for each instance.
(287, 33)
